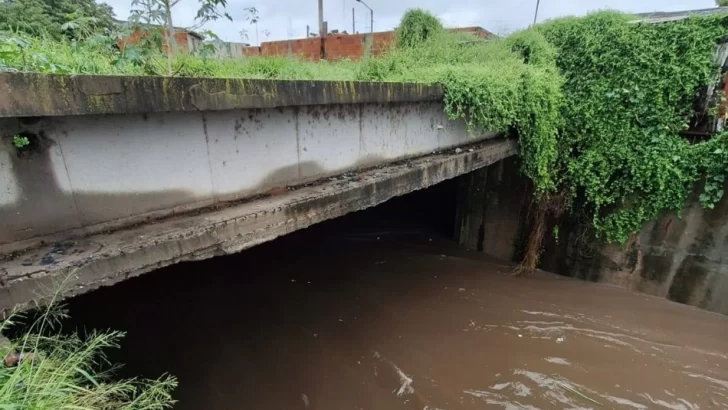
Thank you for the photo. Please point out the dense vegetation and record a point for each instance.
(631, 90)
(598, 103)
(43, 369)
(55, 18)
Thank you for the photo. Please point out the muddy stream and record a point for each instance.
(370, 317)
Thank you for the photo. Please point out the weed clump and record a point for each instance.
(44, 369)
(417, 26)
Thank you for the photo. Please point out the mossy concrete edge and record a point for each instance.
(37, 95)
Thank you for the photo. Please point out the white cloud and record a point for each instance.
(288, 18)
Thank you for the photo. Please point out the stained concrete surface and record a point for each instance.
(492, 209)
(38, 95)
(75, 267)
(681, 257)
(83, 174)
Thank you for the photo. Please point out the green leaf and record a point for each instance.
(87, 376)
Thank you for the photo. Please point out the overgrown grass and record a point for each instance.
(417, 26)
(46, 370)
(99, 55)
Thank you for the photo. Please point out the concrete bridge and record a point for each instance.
(124, 175)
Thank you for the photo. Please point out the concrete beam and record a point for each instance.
(40, 95)
(84, 174)
(74, 267)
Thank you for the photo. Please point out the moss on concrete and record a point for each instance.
(34, 95)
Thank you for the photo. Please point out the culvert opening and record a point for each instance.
(194, 319)
(381, 310)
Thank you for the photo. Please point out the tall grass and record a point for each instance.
(98, 54)
(416, 27)
(281, 68)
(423, 61)
(46, 370)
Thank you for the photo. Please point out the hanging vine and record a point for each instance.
(599, 113)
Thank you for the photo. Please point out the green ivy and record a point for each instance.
(517, 89)
(598, 104)
(712, 158)
(416, 27)
(629, 90)
(20, 142)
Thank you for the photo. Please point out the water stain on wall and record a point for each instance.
(681, 257)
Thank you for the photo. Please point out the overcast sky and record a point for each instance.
(285, 19)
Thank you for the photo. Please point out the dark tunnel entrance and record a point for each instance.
(194, 319)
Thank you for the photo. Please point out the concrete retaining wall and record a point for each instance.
(108, 152)
(682, 258)
(491, 209)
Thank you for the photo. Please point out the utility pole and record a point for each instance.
(371, 21)
(353, 21)
(371, 16)
(323, 30)
(535, 16)
(321, 17)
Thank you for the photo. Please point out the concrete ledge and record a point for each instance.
(39, 95)
(72, 268)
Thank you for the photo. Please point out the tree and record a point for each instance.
(721, 3)
(52, 17)
(159, 13)
(251, 16)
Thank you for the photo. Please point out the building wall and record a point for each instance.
(340, 46)
(185, 41)
(335, 46)
(230, 49)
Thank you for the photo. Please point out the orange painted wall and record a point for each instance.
(340, 46)
(336, 46)
(180, 38)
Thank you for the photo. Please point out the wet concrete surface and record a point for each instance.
(367, 316)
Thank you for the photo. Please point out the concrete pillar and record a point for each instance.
(490, 209)
(470, 211)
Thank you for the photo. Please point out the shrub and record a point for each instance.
(46, 370)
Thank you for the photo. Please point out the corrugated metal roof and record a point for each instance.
(665, 16)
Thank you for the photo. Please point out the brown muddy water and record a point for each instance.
(363, 315)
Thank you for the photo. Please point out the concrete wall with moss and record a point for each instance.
(681, 257)
(491, 209)
(85, 173)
